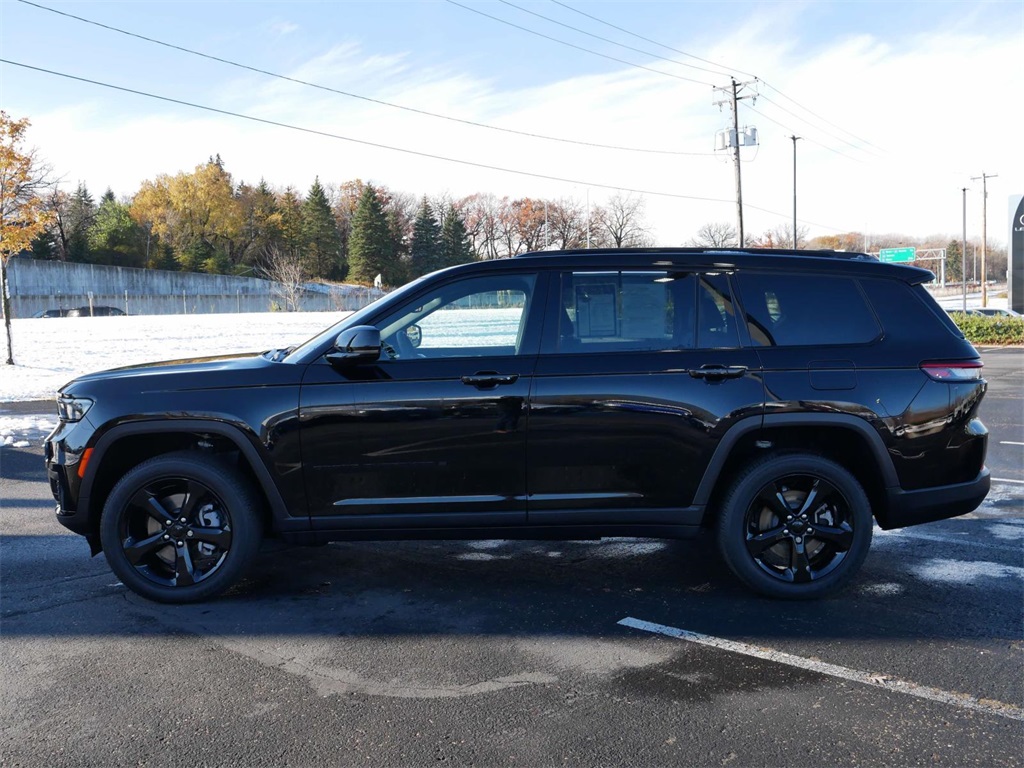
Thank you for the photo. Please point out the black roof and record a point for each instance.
(785, 259)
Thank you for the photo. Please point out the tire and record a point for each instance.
(795, 526)
(180, 528)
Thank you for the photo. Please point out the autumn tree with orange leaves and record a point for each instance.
(23, 185)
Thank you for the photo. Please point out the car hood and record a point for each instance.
(189, 373)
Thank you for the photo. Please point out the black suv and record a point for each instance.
(784, 399)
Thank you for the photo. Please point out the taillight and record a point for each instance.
(953, 370)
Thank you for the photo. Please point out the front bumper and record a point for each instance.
(63, 455)
(926, 505)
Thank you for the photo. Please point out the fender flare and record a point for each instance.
(238, 438)
(744, 427)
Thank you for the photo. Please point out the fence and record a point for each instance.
(37, 286)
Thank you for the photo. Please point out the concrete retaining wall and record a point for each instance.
(36, 286)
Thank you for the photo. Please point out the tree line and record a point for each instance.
(203, 221)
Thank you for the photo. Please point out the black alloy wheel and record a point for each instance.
(795, 526)
(180, 527)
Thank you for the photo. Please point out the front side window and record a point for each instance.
(477, 317)
(805, 310)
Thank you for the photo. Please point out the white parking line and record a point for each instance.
(1006, 480)
(886, 682)
(1009, 442)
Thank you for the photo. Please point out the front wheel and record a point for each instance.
(180, 528)
(795, 526)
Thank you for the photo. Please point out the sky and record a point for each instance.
(897, 105)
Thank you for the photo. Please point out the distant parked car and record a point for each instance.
(51, 313)
(993, 312)
(94, 312)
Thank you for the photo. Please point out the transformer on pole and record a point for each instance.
(734, 139)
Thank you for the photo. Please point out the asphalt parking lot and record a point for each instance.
(619, 652)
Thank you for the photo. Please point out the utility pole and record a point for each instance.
(984, 231)
(795, 139)
(963, 253)
(732, 98)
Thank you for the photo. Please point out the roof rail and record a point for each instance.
(823, 253)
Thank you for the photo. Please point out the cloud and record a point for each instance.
(922, 117)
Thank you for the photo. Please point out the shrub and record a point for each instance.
(990, 330)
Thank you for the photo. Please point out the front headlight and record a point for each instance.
(72, 408)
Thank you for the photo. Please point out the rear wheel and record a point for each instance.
(180, 528)
(795, 526)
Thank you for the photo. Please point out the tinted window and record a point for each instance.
(799, 310)
(716, 314)
(907, 311)
(482, 316)
(625, 311)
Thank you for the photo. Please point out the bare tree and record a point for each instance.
(622, 220)
(780, 237)
(566, 223)
(718, 234)
(285, 273)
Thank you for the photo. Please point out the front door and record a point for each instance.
(433, 433)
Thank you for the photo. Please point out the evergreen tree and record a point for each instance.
(455, 245)
(372, 248)
(290, 208)
(81, 212)
(114, 237)
(425, 254)
(321, 240)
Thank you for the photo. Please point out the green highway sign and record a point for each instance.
(897, 254)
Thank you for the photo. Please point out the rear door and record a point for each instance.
(641, 374)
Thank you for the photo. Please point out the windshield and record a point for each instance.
(309, 350)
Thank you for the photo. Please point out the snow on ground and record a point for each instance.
(23, 431)
(50, 352)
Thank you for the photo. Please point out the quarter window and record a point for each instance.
(803, 310)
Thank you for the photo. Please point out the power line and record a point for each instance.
(613, 42)
(805, 138)
(579, 47)
(363, 142)
(648, 40)
(380, 102)
(377, 145)
(819, 117)
(721, 66)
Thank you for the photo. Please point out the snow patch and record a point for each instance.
(1006, 532)
(942, 571)
(22, 431)
(883, 590)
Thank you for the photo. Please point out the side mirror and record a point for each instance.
(361, 342)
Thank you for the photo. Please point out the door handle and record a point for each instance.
(486, 379)
(718, 372)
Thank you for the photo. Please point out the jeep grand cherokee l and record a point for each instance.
(784, 399)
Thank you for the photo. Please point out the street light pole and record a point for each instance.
(984, 232)
(795, 139)
(963, 253)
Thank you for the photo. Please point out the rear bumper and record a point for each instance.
(929, 504)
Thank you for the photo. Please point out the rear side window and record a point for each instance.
(625, 312)
(802, 310)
